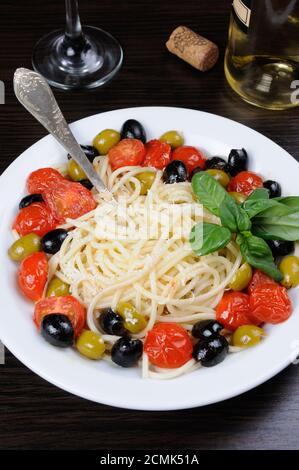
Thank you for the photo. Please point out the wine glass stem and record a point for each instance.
(73, 24)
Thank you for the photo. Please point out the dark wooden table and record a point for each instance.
(33, 413)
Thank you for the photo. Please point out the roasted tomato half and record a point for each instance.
(158, 154)
(128, 152)
(233, 311)
(68, 200)
(168, 345)
(42, 179)
(32, 275)
(258, 279)
(245, 182)
(270, 303)
(36, 218)
(191, 156)
(65, 305)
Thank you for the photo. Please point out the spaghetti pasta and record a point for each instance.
(136, 249)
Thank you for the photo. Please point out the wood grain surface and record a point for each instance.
(33, 413)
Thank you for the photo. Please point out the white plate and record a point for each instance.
(104, 382)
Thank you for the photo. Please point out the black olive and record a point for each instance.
(87, 184)
(126, 352)
(211, 352)
(52, 241)
(27, 200)
(111, 322)
(206, 329)
(281, 247)
(196, 170)
(273, 187)
(132, 129)
(58, 330)
(237, 161)
(217, 163)
(90, 151)
(175, 172)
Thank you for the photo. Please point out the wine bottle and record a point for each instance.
(262, 55)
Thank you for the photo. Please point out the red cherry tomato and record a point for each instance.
(128, 152)
(68, 200)
(191, 156)
(66, 305)
(233, 311)
(168, 345)
(42, 179)
(32, 275)
(158, 154)
(36, 218)
(245, 182)
(270, 303)
(258, 279)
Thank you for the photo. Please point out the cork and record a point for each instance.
(193, 48)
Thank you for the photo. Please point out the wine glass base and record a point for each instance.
(86, 62)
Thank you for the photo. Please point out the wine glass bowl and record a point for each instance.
(77, 58)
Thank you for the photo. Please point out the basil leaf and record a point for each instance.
(275, 209)
(279, 222)
(206, 238)
(209, 192)
(233, 216)
(277, 228)
(292, 202)
(257, 194)
(255, 206)
(258, 254)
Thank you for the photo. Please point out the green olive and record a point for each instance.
(57, 288)
(242, 278)
(174, 138)
(134, 321)
(75, 171)
(90, 344)
(146, 179)
(247, 335)
(238, 197)
(219, 176)
(105, 140)
(24, 247)
(289, 267)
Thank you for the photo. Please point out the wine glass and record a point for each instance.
(76, 59)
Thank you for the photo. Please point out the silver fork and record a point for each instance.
(36, 96)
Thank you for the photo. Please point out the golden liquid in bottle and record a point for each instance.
(262, 62)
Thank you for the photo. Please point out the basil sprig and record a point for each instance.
(257, 219)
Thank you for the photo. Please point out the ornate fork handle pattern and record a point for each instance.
(36, 96)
